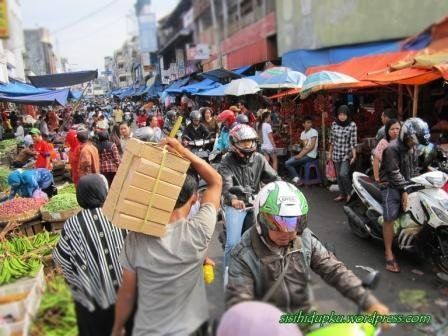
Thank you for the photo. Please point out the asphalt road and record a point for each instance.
(416, 289)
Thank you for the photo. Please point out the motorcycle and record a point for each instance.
(198, 147)
(246, 195)
(421, 229)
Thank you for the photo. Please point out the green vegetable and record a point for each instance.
(4, 173)
(8, 143)
(67, 189)
(61, 202)
(56, 315)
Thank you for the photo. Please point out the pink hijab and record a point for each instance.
(254, 318)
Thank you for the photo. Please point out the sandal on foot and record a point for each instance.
(339, 198)
(392, 266)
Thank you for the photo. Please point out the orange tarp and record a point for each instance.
(359, 67)
(407, 76)
(375, 70)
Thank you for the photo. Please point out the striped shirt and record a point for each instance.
(88, 253)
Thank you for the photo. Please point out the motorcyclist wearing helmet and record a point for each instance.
(195, 130)
(170, 120)
(274, 259)
(398, 166)
(244, 167)
(227, 120)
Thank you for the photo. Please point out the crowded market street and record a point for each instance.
(223, 168)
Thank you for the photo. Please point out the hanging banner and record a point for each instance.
(4, 23)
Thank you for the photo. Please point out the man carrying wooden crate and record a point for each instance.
(164, 275)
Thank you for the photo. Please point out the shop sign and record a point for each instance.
(197, 52)
(180, 62)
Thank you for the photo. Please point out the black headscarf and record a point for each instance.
(346, 110)
(91, 191)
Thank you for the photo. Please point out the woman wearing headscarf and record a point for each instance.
(88, 255)
(25, 183)
(109, 156)
(252, 318)
(343, 140)
(73, 156)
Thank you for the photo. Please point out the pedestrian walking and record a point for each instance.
(88, 254)
(164, 275)
(89, 161)
(343, 141)
(267, 136)
(109, 156)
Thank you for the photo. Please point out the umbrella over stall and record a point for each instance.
(279, 78)
(324, 80)
(241, 87)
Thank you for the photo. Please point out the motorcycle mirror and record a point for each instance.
(371, 278)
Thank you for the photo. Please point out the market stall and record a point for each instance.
(26, 306)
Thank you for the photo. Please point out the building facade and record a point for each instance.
(147, 28)
(12, 46)
(245, 31)
(209, 34)
(174, 33)
(308, 24)
(40, 57)
(126, 66)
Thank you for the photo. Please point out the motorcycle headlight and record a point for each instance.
(441, 214)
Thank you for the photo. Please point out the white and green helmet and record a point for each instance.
(280, 200)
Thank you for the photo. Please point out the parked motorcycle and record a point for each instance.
(422, 228)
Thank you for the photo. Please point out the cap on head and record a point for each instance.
(34, 131)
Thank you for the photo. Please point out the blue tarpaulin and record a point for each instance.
(206, 84)
(242, 70)
(216, 92)
(301, 59)
(20, 89)
(173, 88)
(63, 79)
(46, 98)
(155, 90)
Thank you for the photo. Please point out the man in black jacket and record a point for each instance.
(398, 166)
(246, 168)
(195, 130)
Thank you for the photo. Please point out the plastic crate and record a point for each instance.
(30, 304)
(19, 328)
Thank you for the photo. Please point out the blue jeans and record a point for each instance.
(234, 226)
(343, 177)
(292, 164)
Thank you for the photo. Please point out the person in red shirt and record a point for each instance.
(141, 119)
(242, 106)
(73, 156)
(42, 149)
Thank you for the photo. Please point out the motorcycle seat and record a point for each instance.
(372, 188)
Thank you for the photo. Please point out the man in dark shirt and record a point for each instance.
(195, 130)
(397, 168)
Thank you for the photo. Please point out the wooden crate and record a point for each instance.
(32, 228)
(55, 226)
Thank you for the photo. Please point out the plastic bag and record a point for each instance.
(330, 171)
(40, 194)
